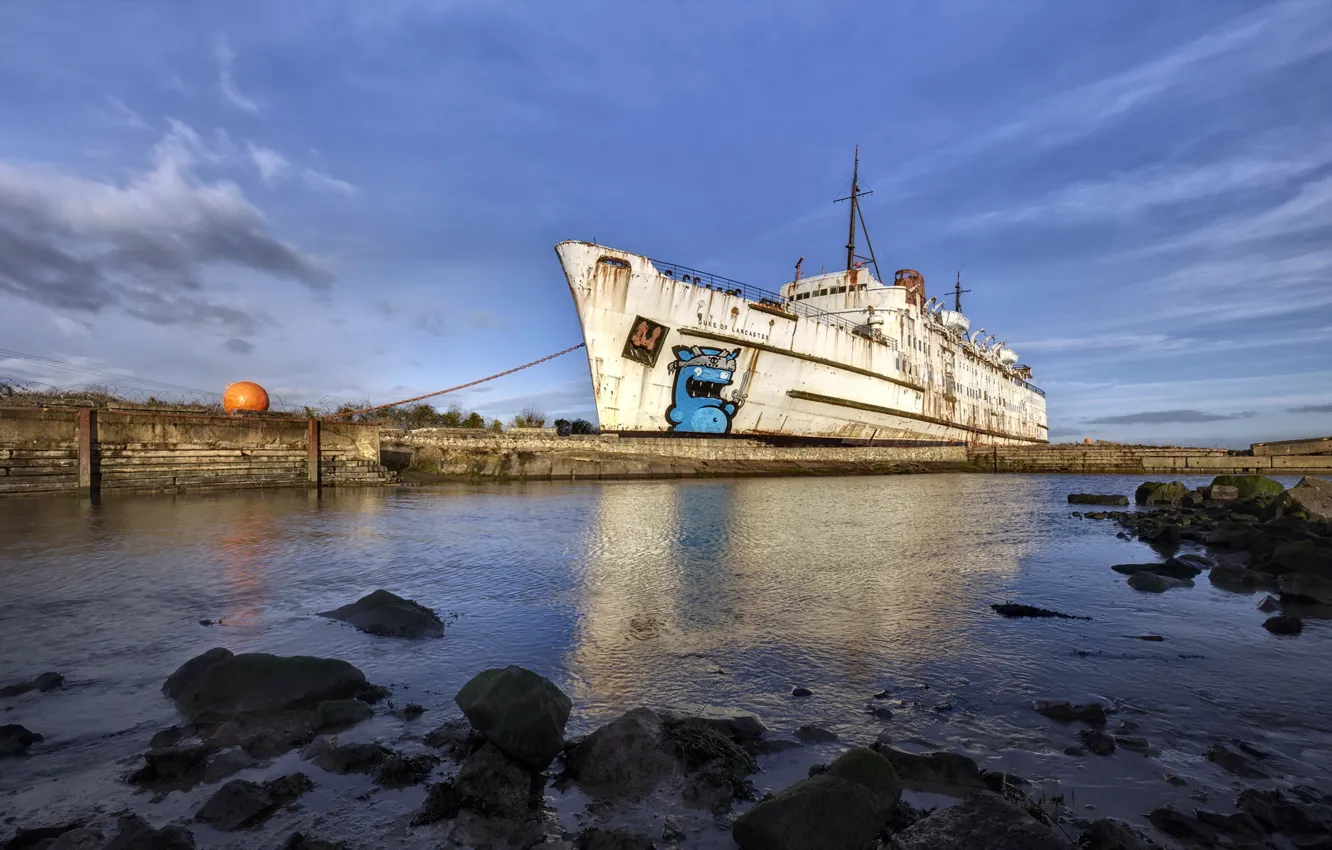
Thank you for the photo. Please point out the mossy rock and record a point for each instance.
(1251, 486)
(1160, 493)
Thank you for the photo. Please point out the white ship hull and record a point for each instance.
(670, 351)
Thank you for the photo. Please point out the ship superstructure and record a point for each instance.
(840, 355)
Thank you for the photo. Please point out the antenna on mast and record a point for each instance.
(957, 291)
(857, 215)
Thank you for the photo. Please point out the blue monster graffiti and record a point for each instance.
(697, 406)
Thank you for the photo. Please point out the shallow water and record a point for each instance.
(652, 593)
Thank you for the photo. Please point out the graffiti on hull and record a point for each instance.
(697, 406)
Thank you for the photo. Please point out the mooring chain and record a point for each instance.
(460, 386)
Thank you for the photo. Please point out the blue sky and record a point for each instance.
(360, 200)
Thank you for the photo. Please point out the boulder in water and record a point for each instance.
(626, 756)
(598, 838)
(241, 803)
(388, 615)
(1154, 583)
(1097, 742)
(337, 714)
(1284, 624)
(1173, 567)
(137, 834)
(15, 739)
(735, 723)
(815, 734)
(1234, 763)
(1249, 486)
(521, 712)
(491, 783)
(1160, 493)
(1220, 492)
(845, 806)
(936, 772)
(981, 820)
(259, 683)
(83, 838)
(1302, 587)
(190, 670)
(1095, 499)
(1313, 496)
(1091, 712)
(45, 682)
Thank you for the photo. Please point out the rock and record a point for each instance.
(811, 733)
(1313, 496)
(712, 788)
(171, 767)
(338, 714)
(175, 683)
(492, 783)
(388, 615)
(734, 723)
(937, 772)
(1093, 499)
(1231, 535)
(83, 838)
(882, 712)
(1220, 492)
(1158, 493)
(801, 692)
(1097, 742)
(412, 711)
(1237, 825)
(402, 771)
(456, 737)
(1153, 583)
(843, 807)
(44, 683)
(519, 711)
(770, 746)
(627, 755)
(981, 820)
(347, 758)
(136, 834)
(1132, 744)
(1173, 567)
(1249, 486)
(1091, 712)
(1301, 587)
(1239, 578)
(1184, 827)
(1269, 604)
(259, 683)
(441, 803)
(597, 838)
(1112, 834)
(15, 739)
(39, 836)
(227, 763)
(1299, 811)
(241, 803)
(300, 841)
(672, 831)
(1011, 609)
(1234, 763)
(1284, 624)
(1300, 556)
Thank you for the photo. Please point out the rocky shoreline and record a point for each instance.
(485, 773)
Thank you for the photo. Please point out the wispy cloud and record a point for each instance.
(1312, 408)
(271, 164)
(1150, 342)
(239, 346)
(125, 116)
(320, 180)
(226, 77)
(1161, 417)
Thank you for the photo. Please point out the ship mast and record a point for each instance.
(857, 215)
(957, 292)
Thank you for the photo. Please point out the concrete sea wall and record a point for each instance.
(1160, 460)
(54, 450)
(451, 453)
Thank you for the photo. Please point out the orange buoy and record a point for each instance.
(1086, 440)
(244, 395)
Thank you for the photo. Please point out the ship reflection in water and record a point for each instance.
(796, 582)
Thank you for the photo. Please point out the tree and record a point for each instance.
(530, 417)
(497, 426)
(474, 420)
(453, 417)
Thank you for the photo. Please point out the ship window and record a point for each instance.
(614, 261)
(840, 290)
(821, 292)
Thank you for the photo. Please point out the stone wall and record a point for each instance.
(1114, 457)
(460, 453)
(73, 450)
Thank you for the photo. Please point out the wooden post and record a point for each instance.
(90, 464)
(314, 466)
